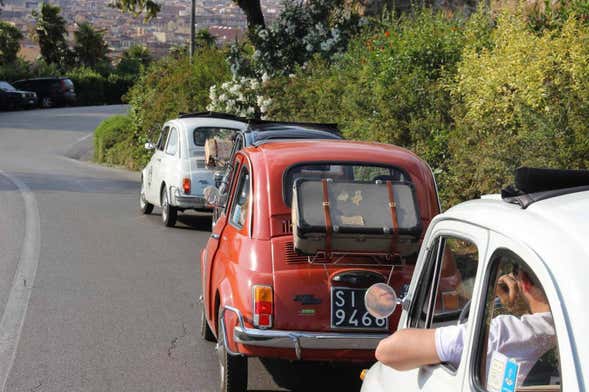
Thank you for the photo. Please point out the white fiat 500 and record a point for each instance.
(540, 242)
(176, 175)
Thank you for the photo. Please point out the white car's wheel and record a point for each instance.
(169, 213)
(145, 206)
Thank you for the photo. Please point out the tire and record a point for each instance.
(145, 206)
(232, 369)
(205, 330)
(169, 213)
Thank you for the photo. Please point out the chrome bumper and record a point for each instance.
(188, 201)
(299, 340)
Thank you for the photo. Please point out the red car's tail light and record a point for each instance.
(186, 185)
(263, 301)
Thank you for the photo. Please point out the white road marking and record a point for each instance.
(83, 138)
(18, 300)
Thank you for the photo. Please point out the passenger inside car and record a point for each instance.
(518, 328)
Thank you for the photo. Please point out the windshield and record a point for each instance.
(348, 172)
(6, 87)
(201, 134)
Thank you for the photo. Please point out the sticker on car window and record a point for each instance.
(502, 374)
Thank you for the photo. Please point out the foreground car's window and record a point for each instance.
(240, 207)
(518, 344)
(349, 172)
(447, 282)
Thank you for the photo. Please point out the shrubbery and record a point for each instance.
(476, 97)
(92, 88)
(111, 141)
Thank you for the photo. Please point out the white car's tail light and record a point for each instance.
(186, 185)
(263, 303)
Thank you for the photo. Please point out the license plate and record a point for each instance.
(348, 310)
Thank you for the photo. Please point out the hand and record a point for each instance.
(507, 290)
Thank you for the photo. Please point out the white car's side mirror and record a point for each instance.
(381, 300)
(149, 146)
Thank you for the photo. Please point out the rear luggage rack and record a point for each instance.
(534, 184)
(222, 116)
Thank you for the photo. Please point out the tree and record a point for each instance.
(90, 48)
(133, 59)
(205, 39)
(251, 8)
(9, 42)
(149, 7)
(50, 33)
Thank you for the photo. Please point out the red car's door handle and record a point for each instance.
(215, 236)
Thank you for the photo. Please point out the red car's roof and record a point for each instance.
(294, 151)
(270, 160)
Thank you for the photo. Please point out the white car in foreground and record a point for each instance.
(177, 174)
(472, 245)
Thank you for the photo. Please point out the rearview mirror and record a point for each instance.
(149, 146)
(212, 196)
(381, 300)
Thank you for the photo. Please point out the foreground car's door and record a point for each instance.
(154, 177)
(441, 289)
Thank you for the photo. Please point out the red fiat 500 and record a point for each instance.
(270, 293)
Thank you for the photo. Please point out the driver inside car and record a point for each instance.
(523, 338)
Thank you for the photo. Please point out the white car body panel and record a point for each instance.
(552, 236)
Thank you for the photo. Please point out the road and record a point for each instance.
(95, 296)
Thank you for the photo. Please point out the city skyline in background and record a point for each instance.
(223, 18)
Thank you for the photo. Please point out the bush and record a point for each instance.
(89, 86)
(390, 86)
(110, 139)
(525, 101)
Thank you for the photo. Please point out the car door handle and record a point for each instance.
(215, 236)
(159, 159)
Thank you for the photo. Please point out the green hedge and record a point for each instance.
(476, 97)
(111, 141)
(92, 88)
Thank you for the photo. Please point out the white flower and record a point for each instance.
(225, 85)
(309, 48)
(250, 111)
(292, 76)
(235, 89)
(263, 33)
(265, 77)
(259, 100)
(222, 98)
(254, 84)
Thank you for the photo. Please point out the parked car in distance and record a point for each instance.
(51, 91)
(11, 98)
(263, 299)
(176, 175)
(540, 226)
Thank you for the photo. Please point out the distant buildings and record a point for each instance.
(170, 28)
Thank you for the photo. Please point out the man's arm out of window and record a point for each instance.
(408, 349)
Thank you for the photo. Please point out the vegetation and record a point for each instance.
(110, 144)
(90, 47)
(474, 95)
(10, 38)
(50, 33)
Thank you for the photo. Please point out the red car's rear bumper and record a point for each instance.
(303, 344)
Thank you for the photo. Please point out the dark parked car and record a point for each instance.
(50, 91)
(11, 98)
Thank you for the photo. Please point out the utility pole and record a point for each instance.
(192, 29)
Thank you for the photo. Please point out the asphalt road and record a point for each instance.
(95, 296)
